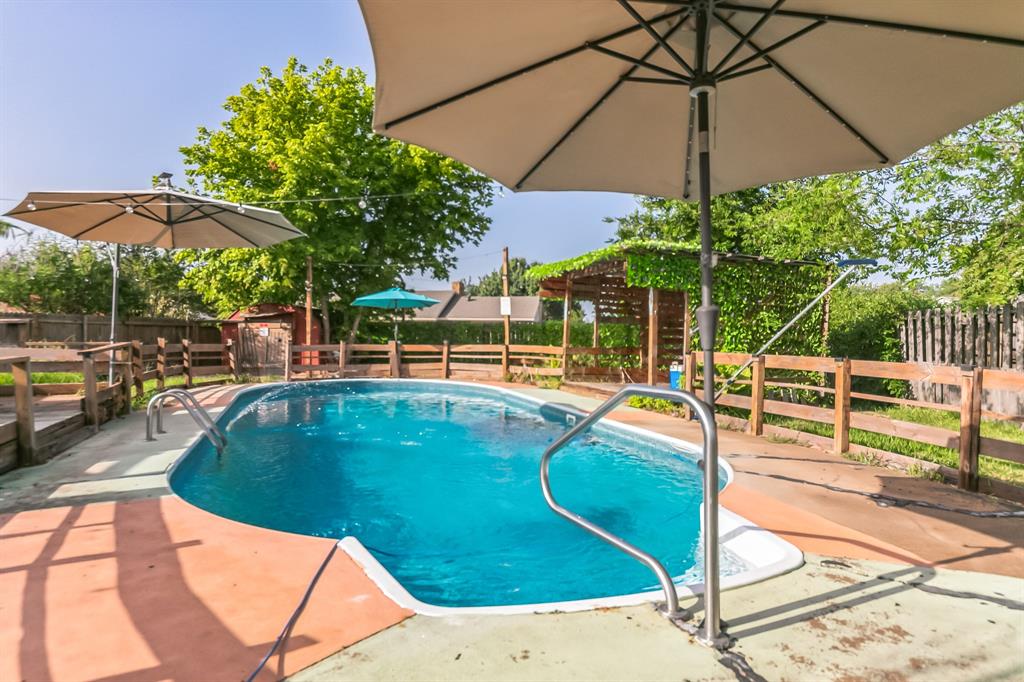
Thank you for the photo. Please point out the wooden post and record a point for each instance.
(126, 380)
(232, 359)
(161, 362)
(595, 340)
(504, 362)
(395, 356)
(689, 376)
(566, 308)
(92, 407)
(21, 369)
(186, 362)
(841, 436)
(653, 299)
(970, 426)
(757, 396)
(687, 324)
(445, 352)
(288, 358)
(342, 358)
(85, 328)
(506, 319)
(307, 360)
(138, 371)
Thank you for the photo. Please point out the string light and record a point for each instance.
(31, 205)
(240, 208)
(362, 204)
(129, 209)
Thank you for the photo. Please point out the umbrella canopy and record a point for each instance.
(581, 95)
(395, 299)
(160, 217)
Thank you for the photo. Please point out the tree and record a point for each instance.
(518, 284)
(810, 218)
(372, 208)
(47, 276)
(958, 209)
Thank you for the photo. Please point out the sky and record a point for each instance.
(100, 95)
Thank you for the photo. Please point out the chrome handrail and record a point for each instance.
(195, 410)
(710, 631)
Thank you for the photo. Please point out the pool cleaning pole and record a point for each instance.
(851, 264)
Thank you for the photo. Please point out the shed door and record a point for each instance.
(262, 347)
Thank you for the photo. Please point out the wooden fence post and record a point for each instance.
(342, 359)
(288, 359)
(690, 374)
(186, 362)
(92, 407)
(970, 426)
(21, 369)
(445, 350)
(653, 315)
(395, 357)
(161, 362)
(757, 396)
(138, 371)
(126, 380)
(232, 359)
(841, 436)
(504, 362)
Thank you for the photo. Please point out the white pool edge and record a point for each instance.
(764, 554)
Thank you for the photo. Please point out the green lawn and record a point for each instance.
(7, 379)
(996, 468)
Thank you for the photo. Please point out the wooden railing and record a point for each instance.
(838, 375)
(423, 360)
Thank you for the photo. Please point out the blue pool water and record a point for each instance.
(440, 482)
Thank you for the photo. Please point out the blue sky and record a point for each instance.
(100, 95)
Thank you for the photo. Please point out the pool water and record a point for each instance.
(440, 482)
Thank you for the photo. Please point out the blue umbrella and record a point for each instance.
(394, 299)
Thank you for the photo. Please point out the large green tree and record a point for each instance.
(373, 208)
(518, 283)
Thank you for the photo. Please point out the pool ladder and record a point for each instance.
(709, 632)
(192, 406)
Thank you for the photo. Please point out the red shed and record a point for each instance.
(269, 324)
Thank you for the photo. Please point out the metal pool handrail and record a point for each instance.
(192, 406)
(710, 631)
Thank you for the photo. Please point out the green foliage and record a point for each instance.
(518, 283)
(865, 320)
(812, 218)
(958, 209)
(548, 333)
(308, 134)
(7, 379)
(45, 276)
(756, 299)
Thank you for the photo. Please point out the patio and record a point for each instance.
(96, 534)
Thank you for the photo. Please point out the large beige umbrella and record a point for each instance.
(161, 217)
(621, 95)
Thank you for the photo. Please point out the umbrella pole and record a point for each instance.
(113, 310)
(707, 320)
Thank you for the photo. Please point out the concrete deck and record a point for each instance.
(106, 575)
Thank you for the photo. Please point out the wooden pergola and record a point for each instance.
(663, 315)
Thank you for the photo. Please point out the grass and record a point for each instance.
(149, 388)
(7, 379)
(996, 468)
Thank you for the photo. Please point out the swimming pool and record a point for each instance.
(439, 482)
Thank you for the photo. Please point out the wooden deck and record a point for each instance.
(59, 422)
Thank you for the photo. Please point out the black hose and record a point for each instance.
(286, 630)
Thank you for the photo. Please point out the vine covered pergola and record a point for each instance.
(652, 286)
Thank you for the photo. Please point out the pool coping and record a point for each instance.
(738, 535)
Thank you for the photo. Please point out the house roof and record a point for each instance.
(455, 307)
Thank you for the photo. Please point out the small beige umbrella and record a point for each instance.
(162, 217)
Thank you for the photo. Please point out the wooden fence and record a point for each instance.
(774, 373)
(19, 329)
(423, 360)
(987, 337)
